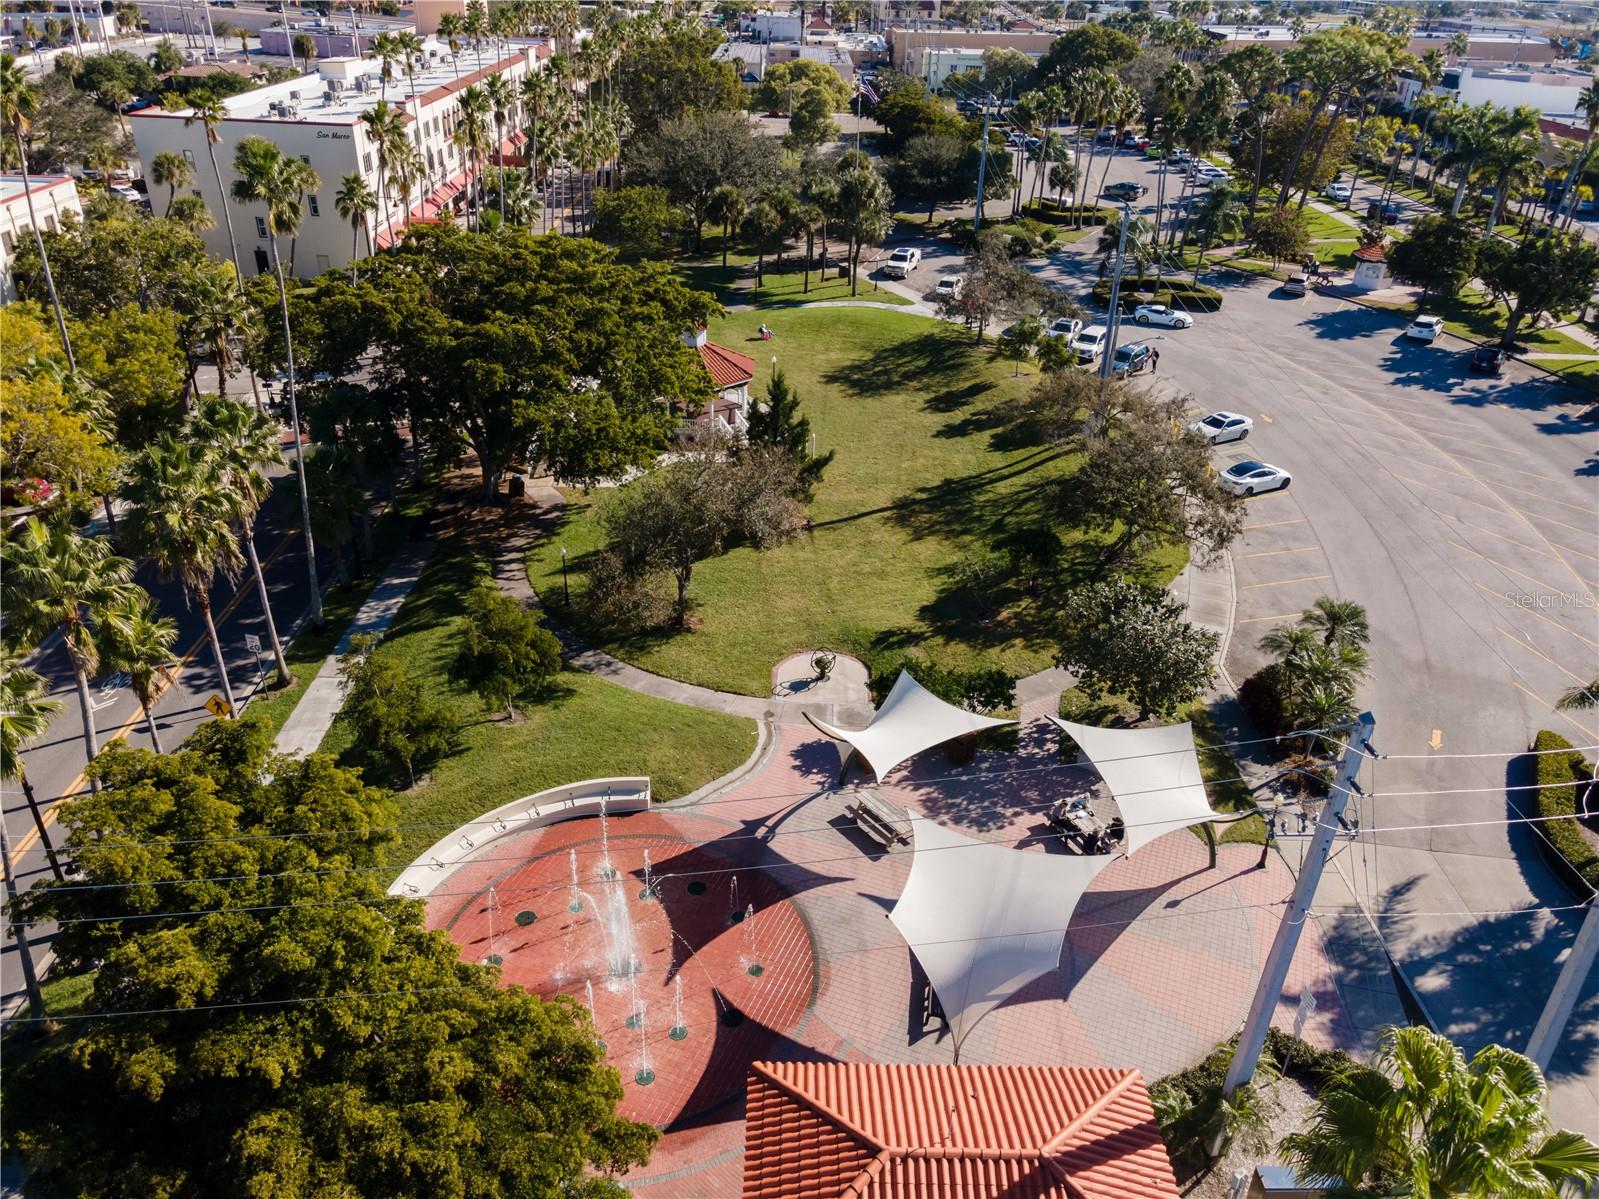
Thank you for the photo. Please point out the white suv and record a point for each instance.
(902, 262)
(1090, 343)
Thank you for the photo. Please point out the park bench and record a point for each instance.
(879, 820)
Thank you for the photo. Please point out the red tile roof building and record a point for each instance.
(727, 368)
(833, 1130)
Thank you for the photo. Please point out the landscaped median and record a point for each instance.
(1558, 777)
(1173, 291)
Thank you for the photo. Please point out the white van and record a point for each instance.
(1090, 343)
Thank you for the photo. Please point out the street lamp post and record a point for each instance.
(566, 590)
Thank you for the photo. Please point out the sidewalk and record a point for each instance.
(303, 731)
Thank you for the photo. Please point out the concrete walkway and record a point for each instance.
(313, 716)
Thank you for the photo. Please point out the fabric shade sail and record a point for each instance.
(911, 719)
(1153, 774)
(985, 920)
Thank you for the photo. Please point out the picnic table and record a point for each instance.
(1075, 820)
(879, 819)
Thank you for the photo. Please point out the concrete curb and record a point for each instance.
(765, 746)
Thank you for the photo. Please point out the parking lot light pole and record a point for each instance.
(1115, 290)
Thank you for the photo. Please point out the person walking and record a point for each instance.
(1154, 361)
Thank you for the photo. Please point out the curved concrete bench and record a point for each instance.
(418, 880)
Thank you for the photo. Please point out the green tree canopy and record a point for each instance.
(1088, 47)
(112, 260)
(1439, 255)
(1123, 638)
(935, 168)
(668, 74)
(905, 113)
(541, 349)
(779, 423)
(773, 91)
(1281, 233)
(1546, 272)
(641, 222)
(504, 652)
(323, 1041)
(693, 156)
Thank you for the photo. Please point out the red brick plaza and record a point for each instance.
(769, 916)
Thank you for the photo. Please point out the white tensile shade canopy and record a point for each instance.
(911, 719)
(985, 920)
(1153, 774)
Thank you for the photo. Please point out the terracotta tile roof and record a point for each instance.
(857, 1130)
(728, 368)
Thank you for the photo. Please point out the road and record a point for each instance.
(1463, 512)
(55, 765)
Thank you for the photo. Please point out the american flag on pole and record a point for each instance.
(862, 88)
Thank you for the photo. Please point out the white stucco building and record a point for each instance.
(317, 118)
(53, 197)
(1552, 91)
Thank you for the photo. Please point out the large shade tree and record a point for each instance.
(537, 349)
(305, 1031)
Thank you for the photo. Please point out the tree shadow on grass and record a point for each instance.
(928, 358)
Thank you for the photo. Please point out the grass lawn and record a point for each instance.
(736, 284)
(1472, 315)
(1228, 792)
(307, 652)
(1324, 225)
(1340, 254)
(929, 468)
(584, 728)
(1584, 371)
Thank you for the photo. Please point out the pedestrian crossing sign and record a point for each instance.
(218, 707)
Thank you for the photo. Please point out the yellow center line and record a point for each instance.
(1506, 567)
(1414, 461)
(1272, 524)
(1285, 582)
(1500, 596)
(1502, 537)
(1500, 507)
(1279, 616)
(48, 813)
(1299, 549)
(1539, 496)
(1561, 523)
(1502, 466)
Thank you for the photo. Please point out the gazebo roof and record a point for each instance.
(1376, 252)
(1153, 774)
(911, 719)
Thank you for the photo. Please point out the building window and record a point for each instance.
(262, 265)
(311, 200)
(8, 241)
(366, 163)
(260, 228)
(322, 263)
(305, 158)
(188, 156)
(49, 222)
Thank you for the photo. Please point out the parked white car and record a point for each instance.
(1221, 427)
(1064, 326)
(1161, 315)
(902, 262)
(1339, 192)
(1425, 328)
(950, 285)
(1089, 344)
(1252, 478)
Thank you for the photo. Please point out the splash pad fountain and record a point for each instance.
(643, 925)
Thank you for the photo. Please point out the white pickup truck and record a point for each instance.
(902, 262)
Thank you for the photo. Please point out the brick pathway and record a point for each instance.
(1159, 961)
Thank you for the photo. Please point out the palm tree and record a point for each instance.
(25, 715)
(385, 129)
(387, 51)
(268, 176)
(216, 313)
(450, 30)
(244, 443)
(56, 581)
(209, 111)
(499, 98)
(138, 640)
(727, 206)
(1422, 1120)
(19, 104)
(472, 136)
(476, 27)
(409, 47)
(191, 212)
(1588, 105)
(1581, 696)
(171, 170)
(1340, 622)
(539, 93)
(180, 521)
(1220, 220)
(410, 170)
(355, 202)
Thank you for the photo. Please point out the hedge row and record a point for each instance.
(1177, 293)
(1068, 214)
(1557, 776)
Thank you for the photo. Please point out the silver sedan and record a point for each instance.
(1162, 316)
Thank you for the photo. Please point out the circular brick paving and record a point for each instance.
(735, 951)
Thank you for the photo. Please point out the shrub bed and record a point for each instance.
(1177, 293)
(1558, 776)
(1068, 214)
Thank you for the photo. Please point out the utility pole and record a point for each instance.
(982, 170)
(1579, 962)
(1269, 990)
(1115, 297)
(30, 981)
